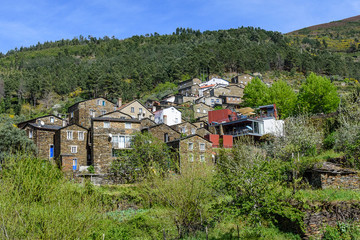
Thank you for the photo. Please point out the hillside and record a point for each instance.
(89, 67)
(337, 36)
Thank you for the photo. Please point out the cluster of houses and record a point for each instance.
(97, 129)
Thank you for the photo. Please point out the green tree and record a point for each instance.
(318, 95)
(284, 97)
(256, 93)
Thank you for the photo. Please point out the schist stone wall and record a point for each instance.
(82, 112)
(70, 145)
(101, 142)
(163, 132)
(43, 139)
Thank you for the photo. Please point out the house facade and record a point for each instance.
(81, 113)
(169, 116)
(49, 120)
(71, 150)
(136, 110)
(185, 128)
(163, 132)
(201, 110)
(189, 87)
(108, 136)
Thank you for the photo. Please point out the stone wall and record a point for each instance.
(329, 214)
(185, 152)
(185, 128)
(348, 181)
(101, 146)
(160, 130)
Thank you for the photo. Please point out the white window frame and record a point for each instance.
(202, 146)
(198, 110)
(140, 110)
(202, 158)
(132, 109)
(52, 119)
(71, 114)
(204, 110)
(193, 131)
(190, 146)
(73, 148)
(81, 135)
(191, 157)
(127, 125)
(106, 124)
(69, 135)
(99, 102)
(31, 133)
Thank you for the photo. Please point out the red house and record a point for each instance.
(222, 116)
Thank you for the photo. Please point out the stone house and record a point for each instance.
(162, 132)
(202, 132)
(71, 148)
(189, 87)
(242, 79)
(192, 148)
(234, 90)
(203, 119)
(210, 101)
(201, 110)
(216, 92)
(43, 138)
(136, 110)
(81, 113)
(231, 100)
(200, 124)
(330, 175)
(109, 136)
(146, 122)
(185, 128)
(49, 120)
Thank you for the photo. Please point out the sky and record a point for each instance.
(24, 23)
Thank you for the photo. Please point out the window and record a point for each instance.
(176, 120)
(103, 103)
(201, 125)
(103, 112)
(212, 101)
(217, 100)
(166, 137)
(81, 136)
(202, 146)
(191, 157)
(72, 115)
(73, 149)
(204, 111)
(52, 120)
(106, 124)
(198, 110)
(191, 146)
(69, 135)
(30, 133)
(132, 109)
(202, 158)
(127, 125)
(140, 110)
(193, 131)
(121, 141)
(99, 102)
(92, 113)
(182, 129)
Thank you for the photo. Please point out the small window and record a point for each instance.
(72, 115)
(204, 111)
(132, 109)
(103, 112)
(212, 101)
(198, 110)
(106, 124)
(202, 146)
(81, 136)
(127, 125)
(202, 158)
(92, 113)
(166, 137)
(140, 110)
(73, 149)
(103, 103)
(176, 120)
(30, 133)
(182, 129)
(74, 164)
(217, 100)
(201, 125)
(52, 120)
(193, 131)
(70, 135)
(191, 157)
(191, 146)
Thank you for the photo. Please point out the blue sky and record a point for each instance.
(24, 22)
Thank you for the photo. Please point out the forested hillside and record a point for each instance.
(128, 68)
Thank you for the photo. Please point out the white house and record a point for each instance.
(170, 116)
(214, 82)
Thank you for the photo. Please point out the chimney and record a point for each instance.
(165, 119)
(119, 102)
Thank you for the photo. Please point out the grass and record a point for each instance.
(328, 195)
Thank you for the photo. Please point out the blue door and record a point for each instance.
(74, 164)
(51, 151)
